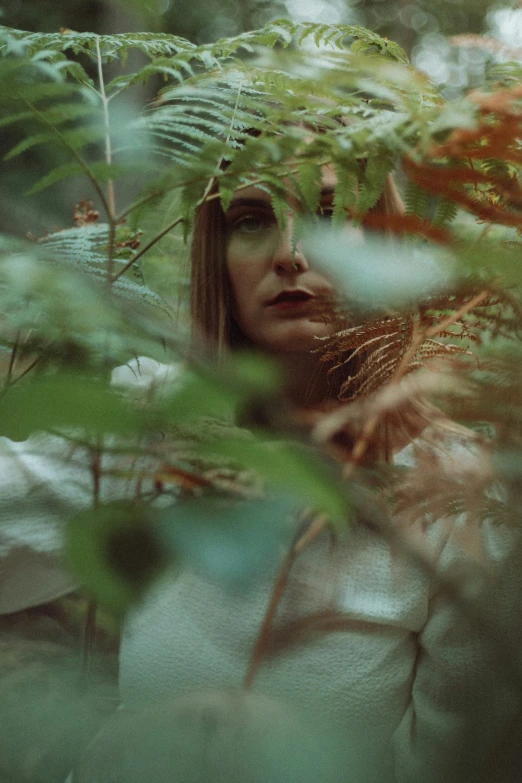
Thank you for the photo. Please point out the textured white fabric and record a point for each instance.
(45, 480)
(374, 646)
(372, 643)
(41, 482)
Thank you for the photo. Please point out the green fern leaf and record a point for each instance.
(75, 139)
(503, 74)
(111, 46)
(279, 204)
(378, 167)
(344, 194)
(497, 168)
(415, 200)
(309, 183)
(56, 115)
(86, 248)
(445, 212)
(35, 93)
(101, 170)
(10, 119)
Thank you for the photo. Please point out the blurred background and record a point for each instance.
(421, 27)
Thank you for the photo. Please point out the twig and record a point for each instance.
(108, 159)
(12, 360)
(146, 248)
(318, 523)
(179, 219)
(89, 634)
(27, 369)
(89, 628)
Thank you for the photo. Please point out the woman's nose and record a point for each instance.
(288, 259)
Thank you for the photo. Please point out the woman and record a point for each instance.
(365, 641)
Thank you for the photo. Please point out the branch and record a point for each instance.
(12, 360)
(146, 248)
(263, 638)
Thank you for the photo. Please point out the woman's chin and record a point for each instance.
(296, 337)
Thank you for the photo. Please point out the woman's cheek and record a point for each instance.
(256, 248)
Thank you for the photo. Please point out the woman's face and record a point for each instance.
(273, 288)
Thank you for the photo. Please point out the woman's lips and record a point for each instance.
(290, 305)
(290, 300)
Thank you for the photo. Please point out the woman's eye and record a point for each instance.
(250, 224)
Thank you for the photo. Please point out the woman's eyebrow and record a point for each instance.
(250, 202)
(328, 190)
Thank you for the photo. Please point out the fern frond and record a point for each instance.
(369, 354)
(372, 183)
(86, 248)
(75, 139)
(415, 200)
(57, 115)
(111, 46)
(309, 182)
(496, 168)
(101, 171)
(445, 212)
(285, 32)
(503, 74)
(344, 194)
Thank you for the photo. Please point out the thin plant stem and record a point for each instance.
(179, 219)
(147, 247)
(82, 163)
(280, 584)
(12, 360)
(27, 369)
(89, 627)
(110, 253)
(9, 385)
(89, 634)
(108, 159)
(106, 119)
(212, 179)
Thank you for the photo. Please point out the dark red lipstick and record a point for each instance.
(290, 298)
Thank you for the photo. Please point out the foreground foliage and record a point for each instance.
(75, 303)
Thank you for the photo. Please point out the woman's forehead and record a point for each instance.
(328, 182)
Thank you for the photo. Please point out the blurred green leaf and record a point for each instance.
(65, 402)
(218, 391)
(232, 541)
(115, 553)
(378, 274)
(293, 470)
